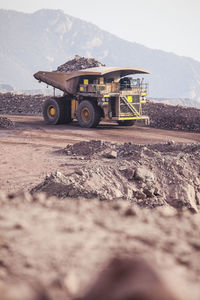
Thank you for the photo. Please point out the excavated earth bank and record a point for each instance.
(147, 175)
(173, 117)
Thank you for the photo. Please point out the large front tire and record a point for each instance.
(126, 122)
(57, 111)
(88, 114)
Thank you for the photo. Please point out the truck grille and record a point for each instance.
(125, 109)
(128, 108)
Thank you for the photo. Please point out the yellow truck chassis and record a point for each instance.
(95, 94)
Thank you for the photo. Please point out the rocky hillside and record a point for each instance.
(48, 38)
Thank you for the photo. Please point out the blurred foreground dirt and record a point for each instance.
(64, 244)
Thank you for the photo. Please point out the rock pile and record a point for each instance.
(79, 63)
(21, 104)
(87, 148)
(148, 175)
(6, 123)
(173, 117)
(97, 148)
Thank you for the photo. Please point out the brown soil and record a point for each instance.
(61, 244)
(28, 152)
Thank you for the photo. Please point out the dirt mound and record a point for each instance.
(79, 63)
(87, 148)
(6, 123)
(21, 104)
(81, 236)
(148, 175)
(173, 117)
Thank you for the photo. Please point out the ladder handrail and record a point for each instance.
(130, 106)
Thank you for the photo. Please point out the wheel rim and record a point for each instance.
(85, 115)
(51, 111)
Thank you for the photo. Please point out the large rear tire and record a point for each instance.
(126, 122)
(88, 114)
(57, 110)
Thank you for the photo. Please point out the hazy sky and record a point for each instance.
(170, 25)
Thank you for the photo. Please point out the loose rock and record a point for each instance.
(79, 63)
(142, 177)
(6, 123)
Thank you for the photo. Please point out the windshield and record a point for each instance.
(129, 83)
(134, 82)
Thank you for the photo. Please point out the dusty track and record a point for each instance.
(28, 151)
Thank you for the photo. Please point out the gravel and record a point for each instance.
(6, 123)
(21, 104)
(173, 117)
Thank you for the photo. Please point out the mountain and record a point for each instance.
(47, 38)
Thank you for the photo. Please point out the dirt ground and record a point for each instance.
(31, 146)
(62, 243)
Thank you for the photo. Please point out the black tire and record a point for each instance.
(57, 110)
(88, 114)
(126, 122)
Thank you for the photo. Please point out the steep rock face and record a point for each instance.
(48, 38)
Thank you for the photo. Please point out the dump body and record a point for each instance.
(68, 82)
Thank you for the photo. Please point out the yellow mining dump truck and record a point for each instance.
(95, 94)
